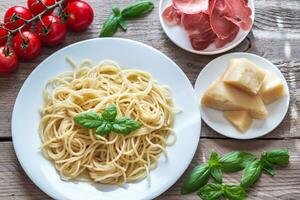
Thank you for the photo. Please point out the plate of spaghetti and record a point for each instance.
(104, 119)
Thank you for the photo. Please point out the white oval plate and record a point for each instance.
(129, 54)
(178, 35)
(215, 119)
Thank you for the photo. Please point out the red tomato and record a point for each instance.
(3, 36)
(20, 11)
(8, 60)
(37, 7)
(27, 45)
(68, 1)
(80, 15)
(53, 32)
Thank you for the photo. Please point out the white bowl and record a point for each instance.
(179, 36)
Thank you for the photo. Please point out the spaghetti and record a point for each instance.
(112, 159)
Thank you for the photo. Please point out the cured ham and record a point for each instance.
(199, 30)
(209, 21)
(172, 16)
(191, 6)
(239, 13)
(222, 42)
(220, 25)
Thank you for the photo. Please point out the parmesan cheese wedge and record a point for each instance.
(244, 75)
(222, 96)
(240, 119)
(272, 89)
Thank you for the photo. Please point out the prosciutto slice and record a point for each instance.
(191, 6)
(221, 26)
(199, 30)
(172, 16)
(239, 13)
(222, 42)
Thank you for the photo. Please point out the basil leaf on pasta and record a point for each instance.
(89, 119)
(110, 113)
(104, 129)
(125, 125)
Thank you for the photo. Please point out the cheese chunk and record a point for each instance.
(240, 119)
(272, 89)
(225, 97)
(244, 75)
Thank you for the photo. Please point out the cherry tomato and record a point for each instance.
(53, 32)
(17, 11)
(36, 7)
(8, 60)
(27, 45)
(80, 15)
(67, 1)
(3, 36)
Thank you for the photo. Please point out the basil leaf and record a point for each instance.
(234, 192)
(216, 173)
(246, 158)
(251, 173)
(211, 191)
(235, 161)
(137, 9)
(196, 179)
(277, 156)
(110, 26)
(88, 119)
(125, 125)
(104, 129)
(231, 162)
(110, 113)
(269, 168)
(123, 24)
(214, 159)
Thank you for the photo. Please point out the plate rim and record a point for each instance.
(191, 50)
(265, 60)
(178, 68)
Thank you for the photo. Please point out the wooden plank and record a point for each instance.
(281, 47)
(14, 184)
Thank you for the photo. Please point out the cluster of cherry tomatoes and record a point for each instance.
(25, 30)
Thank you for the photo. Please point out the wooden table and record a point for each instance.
(275, 36)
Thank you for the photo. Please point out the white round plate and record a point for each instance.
(214, 118)
(129, 54)
(178, 35)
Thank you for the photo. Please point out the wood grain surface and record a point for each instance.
(284, 185)
(275, 36)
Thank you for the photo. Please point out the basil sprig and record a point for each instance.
(106, 122)
(214, 191)
(231, 162)
(118, 18)
(265, 164)
(112, 23)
